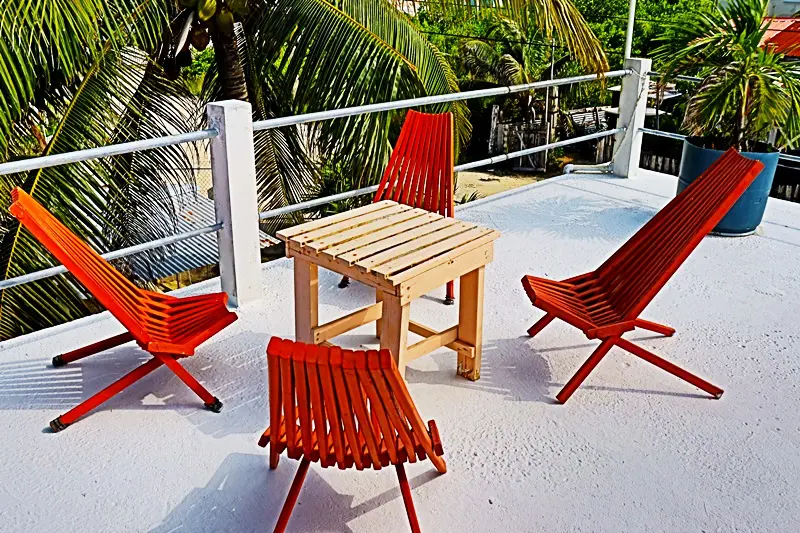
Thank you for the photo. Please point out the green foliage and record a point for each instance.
(608, 19)
(334, 180)
(467, 198)
(195, 73)
(46, 45)
(747, 89)
(111, 203)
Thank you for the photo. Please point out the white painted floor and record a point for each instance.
(634, 450)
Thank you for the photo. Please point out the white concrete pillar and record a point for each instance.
(235, 200)
(632, 109)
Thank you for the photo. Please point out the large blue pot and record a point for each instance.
(746, 214)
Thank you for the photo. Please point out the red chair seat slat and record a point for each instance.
(342, 408)
(159, 323)
(607, 302)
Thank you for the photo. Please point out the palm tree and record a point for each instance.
(747, 89)
(83, 74)
(507, 57)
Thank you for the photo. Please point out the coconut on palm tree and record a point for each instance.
(749, 95)
(83, 74)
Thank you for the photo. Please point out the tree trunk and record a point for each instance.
(229, 66)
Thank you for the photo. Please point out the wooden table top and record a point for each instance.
(385, 244)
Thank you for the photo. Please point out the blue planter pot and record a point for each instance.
(746, 214)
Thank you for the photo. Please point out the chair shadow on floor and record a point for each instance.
(518, 369)
(509, 368)
(244, 495)
(233, 369)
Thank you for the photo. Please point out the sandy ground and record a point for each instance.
(489, 183)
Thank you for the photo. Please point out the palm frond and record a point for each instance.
(747, 90)
(434, 71)
(558, 19)
(46, 44)
(109, 202)
(308, 55)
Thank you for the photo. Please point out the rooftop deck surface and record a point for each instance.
(633, 450)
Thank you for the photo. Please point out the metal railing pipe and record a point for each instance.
(679, 137)
(308, 204)
(542, 148)
(667, 134)
(427, 100)
(116, 254)
(34, 163)
(466, 166)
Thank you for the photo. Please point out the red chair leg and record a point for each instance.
(86, 351)
(450, 295)
(540, 325)
(586, 369)
(211, 402)
(115, 388)
(405, 490)
(652, 326)
(676, 371)
(291, 498)
(344, 283)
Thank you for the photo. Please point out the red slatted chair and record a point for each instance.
(355, 403)
(420, 170)
(606, 303)
(168, 328)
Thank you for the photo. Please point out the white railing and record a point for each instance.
(231, 135)
(681, 137)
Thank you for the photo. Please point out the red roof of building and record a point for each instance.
(784, 35)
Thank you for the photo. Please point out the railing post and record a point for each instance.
(632, 109)
(234, 180)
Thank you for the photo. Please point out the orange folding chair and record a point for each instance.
(420, 170)
(608, 302)
(343, 408)
(168, 328)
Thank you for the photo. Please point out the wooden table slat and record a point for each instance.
(417, 271)
(394, 232)
(440, 230)
(351, 223)
(368, 229)
(401, 239)
(327, 221)
(430, 251)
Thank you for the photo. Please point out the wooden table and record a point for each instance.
(403, 253)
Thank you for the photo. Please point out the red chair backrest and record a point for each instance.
(113, 290)
(637, 271)
(420, 170)
(355, 402)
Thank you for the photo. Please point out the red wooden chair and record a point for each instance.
(355, 403)
(606, 303)
(420, 170)
(168, 328)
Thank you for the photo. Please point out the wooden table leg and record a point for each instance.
(306, 304)
(378, 323)
(394, 329)
(470, 322)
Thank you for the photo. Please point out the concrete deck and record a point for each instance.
(633, 450)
